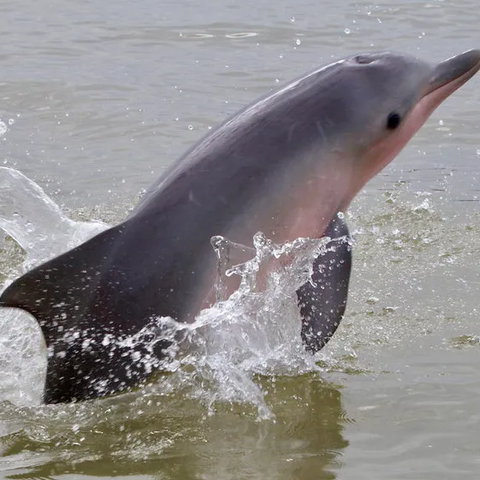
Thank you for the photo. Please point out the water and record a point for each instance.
(97, 99)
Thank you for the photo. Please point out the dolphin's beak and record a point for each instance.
(453, 73)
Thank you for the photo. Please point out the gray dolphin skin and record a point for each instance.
(286, 166)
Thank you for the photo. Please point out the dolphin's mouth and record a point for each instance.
(452, 73)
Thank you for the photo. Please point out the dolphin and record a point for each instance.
(286, 165)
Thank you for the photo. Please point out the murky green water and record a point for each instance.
(98, 98)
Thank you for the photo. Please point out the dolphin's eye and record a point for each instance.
(364, 59)
(393, 121)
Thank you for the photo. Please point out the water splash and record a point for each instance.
(255, 331)
(36, 222)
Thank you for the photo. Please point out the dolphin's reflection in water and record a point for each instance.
(168, 436)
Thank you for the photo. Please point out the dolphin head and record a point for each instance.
(372, 95)
(389, 98)
(325, 135)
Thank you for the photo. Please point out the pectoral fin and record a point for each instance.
(323, 300)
